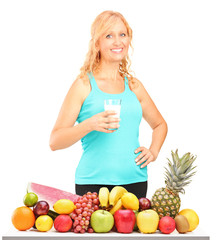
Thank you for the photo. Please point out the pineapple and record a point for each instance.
(166, 201)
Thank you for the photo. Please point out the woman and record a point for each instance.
(110, 157)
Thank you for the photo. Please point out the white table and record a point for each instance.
(52, 235)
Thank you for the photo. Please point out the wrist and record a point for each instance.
(88, 125)
(154, 152)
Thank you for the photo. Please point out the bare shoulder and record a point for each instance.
(80, 88)
(81, 83)
(137, 87)
(134, 83)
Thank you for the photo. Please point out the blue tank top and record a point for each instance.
(109, 158)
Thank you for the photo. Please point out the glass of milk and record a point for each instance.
(113, 105)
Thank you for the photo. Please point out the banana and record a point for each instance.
(116, 207)
(104, 197)
(115, 194)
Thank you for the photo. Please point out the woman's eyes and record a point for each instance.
(110, 35)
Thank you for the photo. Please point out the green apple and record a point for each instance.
(135, 226)
(102, 221)
(147, 221)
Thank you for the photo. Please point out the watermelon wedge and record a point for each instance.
(50, 194)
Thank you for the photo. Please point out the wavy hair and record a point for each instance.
(101, 24)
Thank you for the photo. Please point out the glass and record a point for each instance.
(113, 105)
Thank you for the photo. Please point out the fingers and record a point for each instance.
(150, 159)
(144, 157)
(139, 149)
(108, 112)
(106, 130)
(110, 125)
(110, 119)
(104, 121)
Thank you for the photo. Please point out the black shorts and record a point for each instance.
(139, 189)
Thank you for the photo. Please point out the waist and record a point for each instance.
(110, 166)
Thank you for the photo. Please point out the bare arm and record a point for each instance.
(156, 122)
(64, 133)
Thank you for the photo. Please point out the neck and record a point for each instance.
(108, 70)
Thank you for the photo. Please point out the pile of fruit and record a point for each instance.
(117, 210)
(65, 216)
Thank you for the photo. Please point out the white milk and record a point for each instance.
(116, 108)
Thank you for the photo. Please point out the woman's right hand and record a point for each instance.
(104, 120)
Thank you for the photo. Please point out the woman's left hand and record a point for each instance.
(146, 156)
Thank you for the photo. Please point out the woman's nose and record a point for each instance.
(117, 41)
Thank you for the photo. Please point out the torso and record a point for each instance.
(108, 150)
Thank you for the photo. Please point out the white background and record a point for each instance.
(43, 45)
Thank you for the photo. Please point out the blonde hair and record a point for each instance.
(100, 25)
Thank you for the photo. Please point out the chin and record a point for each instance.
(117, 58)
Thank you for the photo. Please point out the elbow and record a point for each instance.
(52, 147)
(52, 143)
(165, 127)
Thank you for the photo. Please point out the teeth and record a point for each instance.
(117, 50)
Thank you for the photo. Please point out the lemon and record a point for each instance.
(192, 218)
(64, 206)
(30, 199)
(130, 201)
(44, 223)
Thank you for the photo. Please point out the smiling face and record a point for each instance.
(114, 43)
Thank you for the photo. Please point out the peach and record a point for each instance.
(63, 223)
(166, 225)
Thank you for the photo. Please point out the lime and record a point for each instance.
(44, 223)
(30, 199)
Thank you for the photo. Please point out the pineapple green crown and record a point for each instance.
(179, 173)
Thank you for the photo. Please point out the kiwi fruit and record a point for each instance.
(182, 224)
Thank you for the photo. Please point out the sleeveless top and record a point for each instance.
(109, 158)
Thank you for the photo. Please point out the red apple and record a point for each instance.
(166, 225)
(144, 203)
(63, 223)
(125, 220)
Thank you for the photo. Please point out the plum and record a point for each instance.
(41, 208)
(144, 203)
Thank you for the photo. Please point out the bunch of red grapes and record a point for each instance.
(85, 206)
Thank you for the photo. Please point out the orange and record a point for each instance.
(23, 218)
(192, 218)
